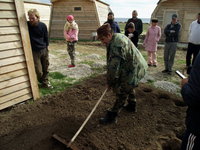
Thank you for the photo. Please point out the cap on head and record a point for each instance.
(174, 16)
(154, 20)
(70, 18)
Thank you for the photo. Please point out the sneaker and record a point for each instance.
(165, 71)
(149, 65)
(71, 66)
(49, 86)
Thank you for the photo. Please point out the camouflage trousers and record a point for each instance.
(71, 51)
(41, 62)
(123, 93)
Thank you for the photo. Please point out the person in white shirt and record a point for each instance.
(194, 43)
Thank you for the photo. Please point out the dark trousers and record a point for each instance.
(41, 62)
(71, 51)
(123, 94)
(190, 141)
(192, 50)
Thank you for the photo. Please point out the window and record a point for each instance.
(77, 8)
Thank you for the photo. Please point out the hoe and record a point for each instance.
(69, 144)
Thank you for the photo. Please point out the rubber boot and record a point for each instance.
(109, 118)
(131, 107)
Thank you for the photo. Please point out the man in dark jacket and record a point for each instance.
(114, 25)
(39, 43)
(137, 22)
(171, 32)
(191, 95)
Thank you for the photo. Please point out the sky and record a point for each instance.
(124, 8)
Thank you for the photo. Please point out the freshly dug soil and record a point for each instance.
(157, 125)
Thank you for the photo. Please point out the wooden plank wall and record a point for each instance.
(103, 11)
(86, 18)
(183, 9)
(43, 9)
(16, 63)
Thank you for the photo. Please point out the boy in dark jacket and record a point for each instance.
(132, 34)
(191, 95)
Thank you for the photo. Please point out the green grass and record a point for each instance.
(180, 61)
(59, 82)
(90, 63)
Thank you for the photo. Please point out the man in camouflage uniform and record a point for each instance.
(125, 68)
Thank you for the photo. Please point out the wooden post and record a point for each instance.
(27, 47)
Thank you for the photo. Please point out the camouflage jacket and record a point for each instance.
(125, 64)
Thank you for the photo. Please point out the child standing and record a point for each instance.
(150, 43)
(132, 34)
(71, 36)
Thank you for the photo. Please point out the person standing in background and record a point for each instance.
(132, 34)
(194, 43)
(153, 35)
(172, 36)
(137, 22)
(71, 36)
(114, 25)
(39, 43)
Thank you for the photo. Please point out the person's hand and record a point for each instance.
(130, 35)
(184, 81)
(172, 31)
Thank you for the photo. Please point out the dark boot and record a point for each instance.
(109, 118)
(131, 107)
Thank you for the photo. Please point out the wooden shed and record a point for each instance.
(186, 10)
(18, 81)
(89, 14)
(43, 8)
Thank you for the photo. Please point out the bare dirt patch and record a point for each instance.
(158, 124)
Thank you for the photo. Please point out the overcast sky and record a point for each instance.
(124, 8)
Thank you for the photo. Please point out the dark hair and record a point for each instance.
(110, 13)
(104, 30)
(154, 20)
(131, 25)
(198, 13)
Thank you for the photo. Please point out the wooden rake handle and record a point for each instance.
(86, 120)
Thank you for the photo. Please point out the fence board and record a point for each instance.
(14, 95)
(13, 81)
(27, 47)
(7, 6)
(12, 75)
(8, 14)
(13, 67)
(12, 60)
(9, 38)
(6, 1)
(10, 45)
(16, 101)
(9, 30)
(14, 88)
(8, 22)
(11, 53)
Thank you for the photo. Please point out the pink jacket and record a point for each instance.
(71, 33)
(152, 37)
